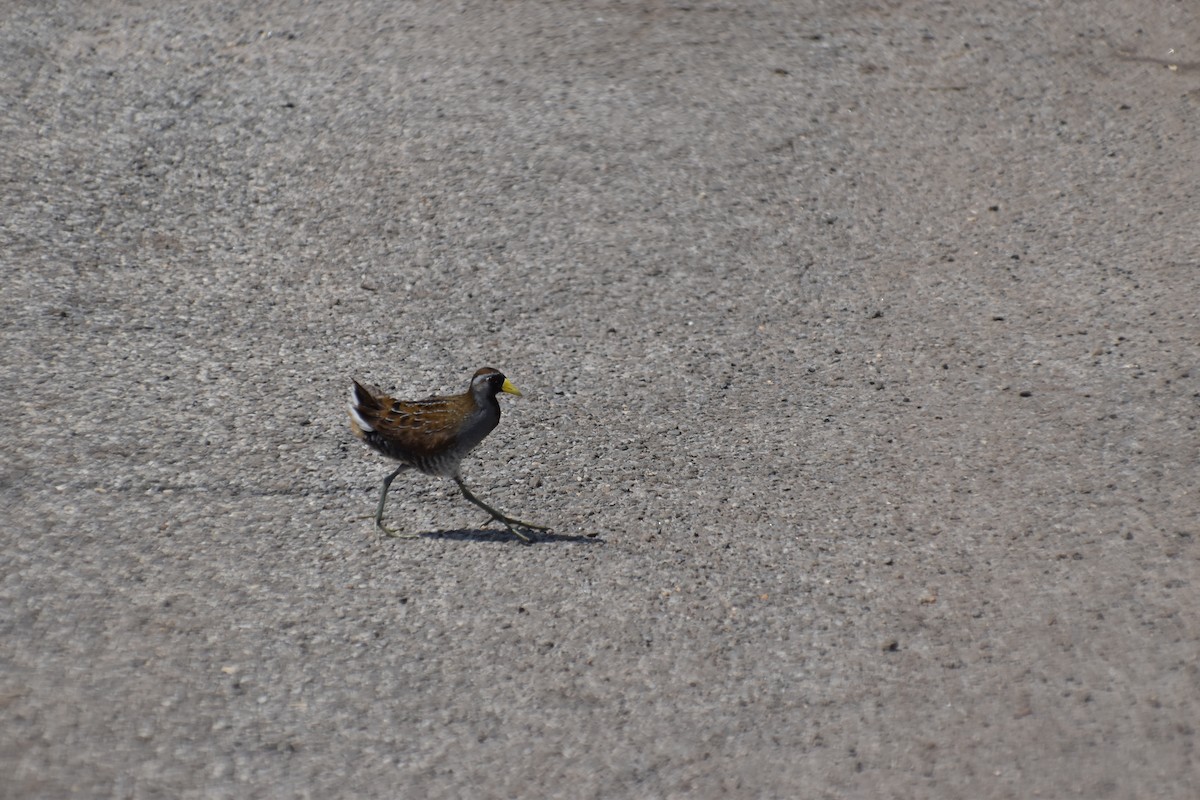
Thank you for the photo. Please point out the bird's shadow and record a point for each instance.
(496, 535)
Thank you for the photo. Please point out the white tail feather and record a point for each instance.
(354, 412)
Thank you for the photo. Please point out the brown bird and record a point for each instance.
(433, 435)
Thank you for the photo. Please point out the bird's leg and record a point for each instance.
(387, 484)
(508, 522)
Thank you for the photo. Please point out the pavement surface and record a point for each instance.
(859, 344)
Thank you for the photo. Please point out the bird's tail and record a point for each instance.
(364, 407)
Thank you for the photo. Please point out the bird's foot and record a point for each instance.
(520, 524)
(514, 524)
(393, 533)
(517, 533)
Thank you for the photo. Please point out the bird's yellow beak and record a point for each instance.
(508, 387)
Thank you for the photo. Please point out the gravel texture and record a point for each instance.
(859, 344)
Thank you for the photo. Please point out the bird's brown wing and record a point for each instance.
(417, 427)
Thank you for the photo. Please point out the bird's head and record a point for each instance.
(488, 382)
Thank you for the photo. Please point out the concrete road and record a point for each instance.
(859, 345)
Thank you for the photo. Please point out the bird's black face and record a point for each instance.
(490, 382)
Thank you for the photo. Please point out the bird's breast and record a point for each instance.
(476, 427)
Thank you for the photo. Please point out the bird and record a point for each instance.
(433, 436)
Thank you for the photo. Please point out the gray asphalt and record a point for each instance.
(859, 346)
